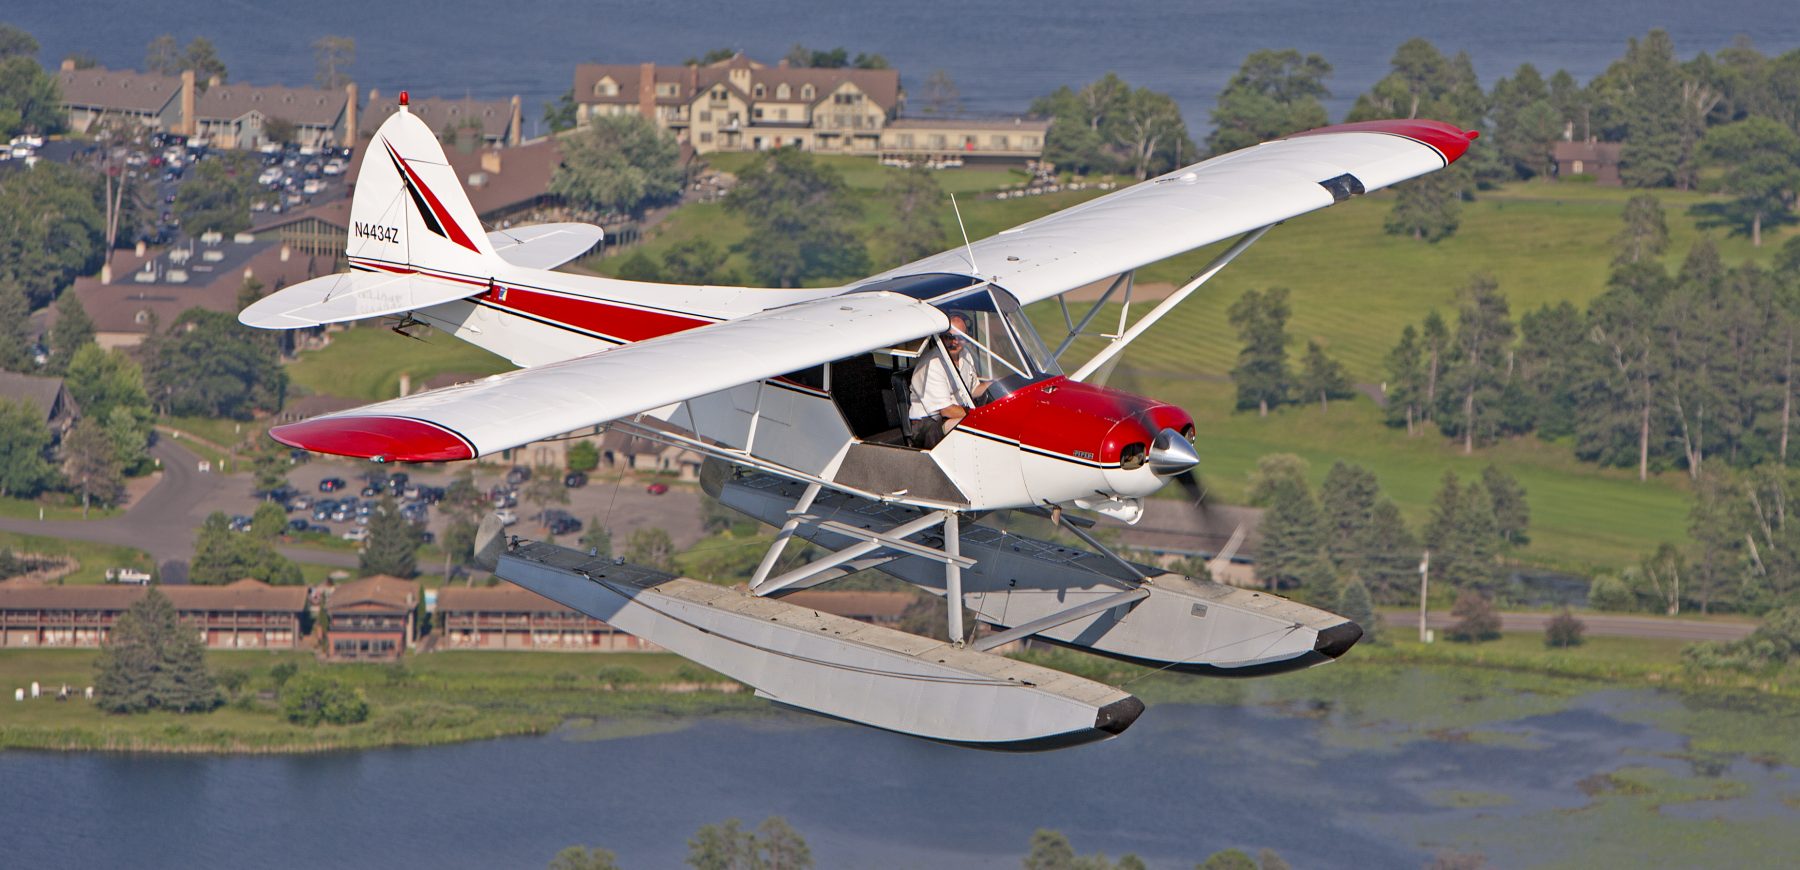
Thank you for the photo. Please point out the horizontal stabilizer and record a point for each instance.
(545, 246)
(351, 296)
(830, 665)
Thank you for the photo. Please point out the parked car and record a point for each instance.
(563, 526)
(331, 484)
(371, 491)
(518, 475)
(356, 534)
(657, 488)
(575, 480)
(240, 523)
(299, 503)
(506, 517)
(298, 525)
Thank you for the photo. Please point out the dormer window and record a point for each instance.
(759, 92)
(807, 92)
(783, 92)
(606, 87)
(668, 89)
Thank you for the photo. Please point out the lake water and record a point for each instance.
(1003, 54)
(1185, 781)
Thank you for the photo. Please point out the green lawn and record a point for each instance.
(94, 558)
(367, 362)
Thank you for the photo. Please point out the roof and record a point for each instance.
(505, 597)
(380, 590)
(881, 85)
(22, 594)
(125, 306)
(40, 392)
(1603, 152)
(496, 116)
(1023, 125)
(124, 90)
(852, 603)
(311, 107)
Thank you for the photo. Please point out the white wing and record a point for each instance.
(1201, 204)
(351, 296)
(545, 246)
(519, 407)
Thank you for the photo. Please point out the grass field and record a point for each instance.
(94, 558)
(367, 362)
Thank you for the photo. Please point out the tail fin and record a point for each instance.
(409, 206)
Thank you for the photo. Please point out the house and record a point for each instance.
(47, 395)
(247, 614)
(738, 104)
(493, 123)
(156, 285)
(1600, 160)
(940, 141)
(236, 115)
(371, 619)
(512, 617)
(95, 95)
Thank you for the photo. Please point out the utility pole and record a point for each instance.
(1424, 587)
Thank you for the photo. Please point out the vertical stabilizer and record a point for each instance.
(409, 207)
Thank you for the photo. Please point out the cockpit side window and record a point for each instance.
(1003, 340)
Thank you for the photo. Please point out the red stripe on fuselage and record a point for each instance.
(593, 315)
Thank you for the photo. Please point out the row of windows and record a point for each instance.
(606, 87)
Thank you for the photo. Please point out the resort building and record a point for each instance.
(371, 619)
(511, 617)
(248, 614)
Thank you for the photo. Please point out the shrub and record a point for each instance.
(1476, 619)
(314, 696)
(1564, 630)
(1609, 593)
(1774, 643)
(583, 456)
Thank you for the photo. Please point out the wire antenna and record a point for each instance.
(965, 234)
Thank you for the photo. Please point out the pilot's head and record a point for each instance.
(953, 337)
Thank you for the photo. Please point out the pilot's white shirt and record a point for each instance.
(932, 390)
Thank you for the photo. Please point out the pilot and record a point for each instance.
(936, 402)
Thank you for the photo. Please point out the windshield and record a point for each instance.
(1004, 344)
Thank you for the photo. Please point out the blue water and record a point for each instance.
(1184, 782)
(1003, 54)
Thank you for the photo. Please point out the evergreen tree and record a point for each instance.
(1622, 407)
(1355, 605)
(1429, 209)
(1762, 160)
(1555, 363)
(393, 545)
(1644, 89)
(1293, 548)
(1406, 381)
(73, 330)
(1323, 377)
(1273, 94)
(1461, 535)
(1434, 343)
(1347, 500)
(1512, 515)
(1261, 373)
(1390, 556)
(1479, 366)
(90, 465)
(150, 662)
(1646, 232)
(15, 338)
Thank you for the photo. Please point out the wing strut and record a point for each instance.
(1164, 307)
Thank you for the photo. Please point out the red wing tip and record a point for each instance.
(387, 439)
(1447, 139)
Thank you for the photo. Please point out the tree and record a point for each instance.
(1526, 124)
(711, 57)
(208, 364)
(1642, 91)
(1293, 550)
(1428, 209)
(1512, 515)
(393, 544)
(73, 330)
(563, 114)
(1323, 376)
(1476, 619)
(799, 210)
(1564, 630)
(725, 846)
(1151, 132)
(1050, 850)
(268, 522)
(942, 96)
(780, 847)
(163, 55)
(1229, 859)
(1405, 387)
(24, 442)
(1646, 232)
(597, 538)
(15, 326)
(1555, 364)
(108, 386)
(216, 196)
(1484, 330)
(1622, 325)
(1762, 160)
(30, 98)
(15, 42)
(619, 163)
(1261, 373)
(51, 230)
(1609, 593)
(280, 130)
(269, 464)
(544, 489)
(151, 662)
(203, 59)
(639, 267)
(91, 466)
(918, 229)
(331, 55)
(1461, 535)
(651, 548)
(314, 697)
(1355, 605)
(224, 556)
(584, 858)
(582, 456)
(696, 261)
(1273, 94)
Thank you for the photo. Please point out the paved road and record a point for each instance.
(1598, 624)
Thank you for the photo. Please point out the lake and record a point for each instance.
(1002, 54)
(1324, 788)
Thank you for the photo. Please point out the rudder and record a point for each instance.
(409, 208)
